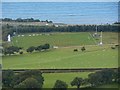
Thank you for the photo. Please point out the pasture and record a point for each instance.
(65, 57)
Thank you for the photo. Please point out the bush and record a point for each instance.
(83, 49)
(60, 84)
(112, 47)
(75, 50)
(117, 45)
(21, 52)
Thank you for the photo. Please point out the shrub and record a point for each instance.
(21, 52)
(112, 47)
(75, 50)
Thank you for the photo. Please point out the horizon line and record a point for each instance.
(60, 1)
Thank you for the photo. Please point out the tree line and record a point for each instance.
(11, 50)
(22, 29)
(38, 48)
(25, 20)
(34, 79)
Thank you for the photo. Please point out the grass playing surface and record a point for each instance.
(55, 39)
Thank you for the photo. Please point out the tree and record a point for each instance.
(77, 82)
(29, 83)
(101, 77)
(30, 49)
(75, 50)
(107, 76)
(83, 49)
(39, 48)
(7, 77)
(46, 46)
(11, 50)
(22, 79)
(60, 84)
(21, 52)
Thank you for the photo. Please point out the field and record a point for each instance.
(54, 39)
(63, 39)
(66, 77)
(95, 56)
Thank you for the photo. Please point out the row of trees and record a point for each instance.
(14, 50)
(27, 79)
(8, 29)
(34, 79)
(11, 50)
(96, 79)
(25, 20)
(38, 48)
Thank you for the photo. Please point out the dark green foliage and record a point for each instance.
(46, 46)
(30, 49)
(24, 20)
(38, 48)
(83, 49)
(9, 29)
(112, 47)
(7, 77)
(22, 79)
(77, 81)
(21, 52)
(117, 45)
(11, 50)
(60, 85)
(101, 77)
(117, 75)
(27, 79)
(75, 50)
(29, 83)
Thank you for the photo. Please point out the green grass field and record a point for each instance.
(55, 39)
(94, 57)
(51, 78)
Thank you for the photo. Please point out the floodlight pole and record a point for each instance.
(101, 39)
(96, 29)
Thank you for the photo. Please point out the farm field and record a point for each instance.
(93, 57)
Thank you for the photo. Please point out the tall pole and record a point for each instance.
(101, 39)
(96, 29)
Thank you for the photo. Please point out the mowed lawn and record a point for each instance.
(54, 39)
(93, 57)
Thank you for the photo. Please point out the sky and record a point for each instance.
(60, 0)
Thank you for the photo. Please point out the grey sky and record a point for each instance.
(60, 0)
